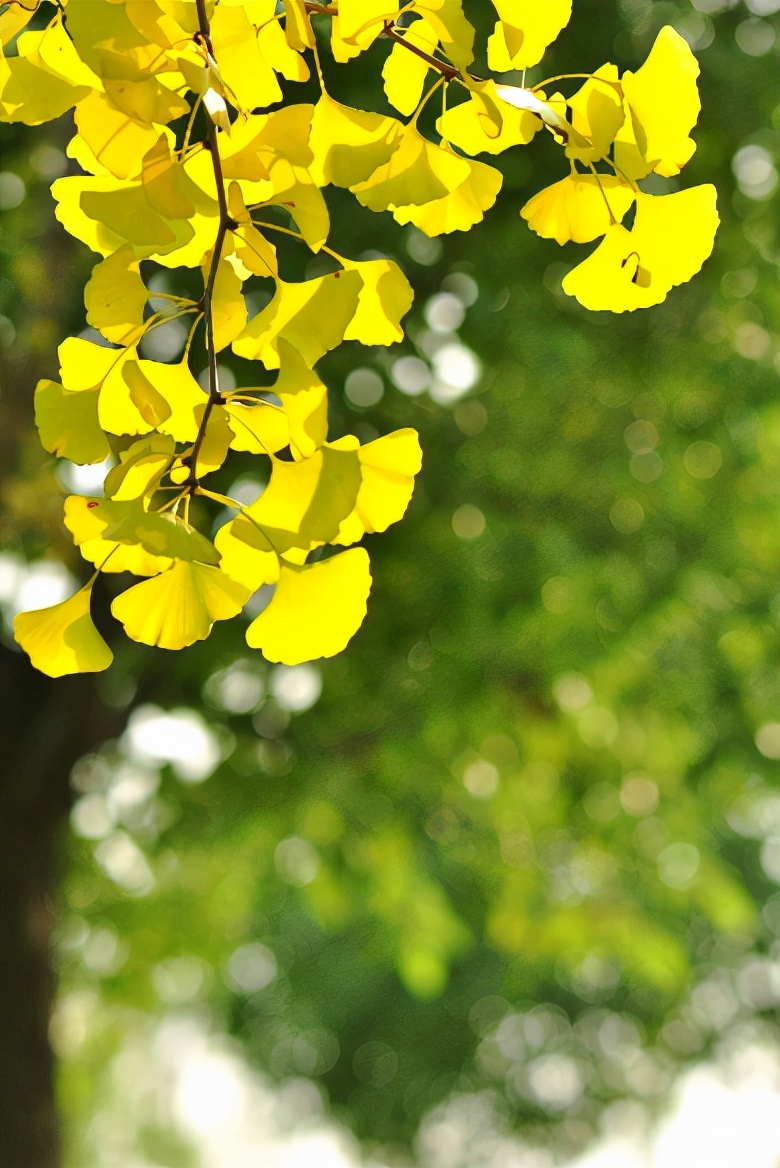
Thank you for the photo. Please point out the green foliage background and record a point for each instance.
(473, 830)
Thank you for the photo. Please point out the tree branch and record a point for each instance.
(225, 224)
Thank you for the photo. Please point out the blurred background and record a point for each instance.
(498, 886)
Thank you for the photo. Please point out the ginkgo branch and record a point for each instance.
(207, 301)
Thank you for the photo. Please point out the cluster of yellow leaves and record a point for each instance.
(182, 168)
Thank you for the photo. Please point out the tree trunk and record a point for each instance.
(46, 726)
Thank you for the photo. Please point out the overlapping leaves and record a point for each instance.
(185, 168)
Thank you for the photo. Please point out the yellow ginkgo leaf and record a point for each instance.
(258, 141)
(671, 238)
(251, 248)
(597, 114)
(127, 522)
(146, 100)
(454, 31)
(387, 467)
(258, 427)
(311, 316)
(110, 556)
(580, 207)
(13, 20)
(250, 565)
(85, 365)
(315, 610)
(228, 305)
(304, 502)
(247, 72)
(169, 393)
(115, 297)
(67, 193)
(115, 142)
(404, 72)
(468, 127)
(294, 189)
(349, 144)
(167, 186)
(68, 424)
(63, 639)
(462, 208)
(664, 101)
(217, 438)
(140, 467)
(304, 400)
(524, 31)
(417, 173)
(45, 79)
(179, 606)
(386, 296)
(126, 213)
(361, 21)
(297, 26)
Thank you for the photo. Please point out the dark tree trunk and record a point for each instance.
(46, 726)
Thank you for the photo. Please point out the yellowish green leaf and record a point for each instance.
(67, 422)
(179, 606)
(62, 639)
(580, 207)
(115, 297)
(671, 238)
(315, 610)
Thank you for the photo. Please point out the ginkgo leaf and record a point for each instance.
(109, 556)
(671, 238)
(146, 100)
(62, 639)
(552, 112)
(158, 532)
(253, 250)
(524, 31)
(580, 207)
(386, 296)
(247, 72)
(45, 79)
(315, 610)
(179, 606)
(67, 193)
(85, 365)
(167, 392)
(126, 212)
(597, 114)
(115, 297)
(312, 316)
(68, 424)
(217, 438)
(167, 186)
(115, 141)
(349, 144)
(664, 101)
(250, 565)
(361, 21)
(262, 139)
(259, 427)
(294, 189)
(470, 128)
(13, 20)
(454, 31)
(404, 72)
(417, 173)
(297, 26)
(304, 502)
(462, 208)
(387, 467)
(227, 304)
(140, 467)
(304, 400)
